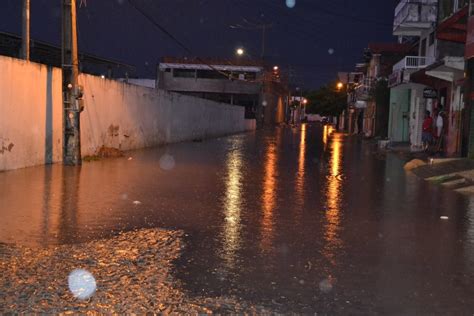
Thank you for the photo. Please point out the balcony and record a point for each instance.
(405, 67)
(414, 16)
(364, 90)
(413, 62)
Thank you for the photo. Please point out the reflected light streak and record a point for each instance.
(233, 204)
(269, 194)
(325, 136)
(333, 196)
(301, 167)
(327, 131)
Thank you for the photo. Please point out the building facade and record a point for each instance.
(433, 79)
(241, 83)
(414, 24)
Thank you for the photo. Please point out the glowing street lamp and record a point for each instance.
(305, 101)
(240, 51)
(340, 85)
(275, 68)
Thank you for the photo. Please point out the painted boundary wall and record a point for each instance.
(116, 114)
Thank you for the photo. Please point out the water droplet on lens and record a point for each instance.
(167, 162)
(325, 286)
(290, 3)
(81, 284)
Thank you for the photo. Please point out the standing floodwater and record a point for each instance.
(299, 219)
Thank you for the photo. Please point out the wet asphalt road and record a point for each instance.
(300, 220)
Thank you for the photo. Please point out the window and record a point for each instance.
(211, 74)
(432, 38)
(184, 73)
(250, 76)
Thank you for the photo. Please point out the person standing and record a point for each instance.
(427, 131)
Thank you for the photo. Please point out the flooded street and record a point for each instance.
(293, 219)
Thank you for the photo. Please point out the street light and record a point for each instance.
(240, 51)
(340, 85)
(275, 68)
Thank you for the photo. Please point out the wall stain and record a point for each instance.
(113, 130)
(4, 148)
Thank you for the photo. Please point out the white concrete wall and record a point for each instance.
(116, 115)
(129, 117)
(30, 114)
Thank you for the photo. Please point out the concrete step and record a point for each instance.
(444, 178)
(469, 189)
(441, 169)
(454, 183)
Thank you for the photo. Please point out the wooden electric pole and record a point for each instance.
(25, 31)
(264, 28)
(72, 92)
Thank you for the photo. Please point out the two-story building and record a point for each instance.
(237, 82)
(414, 24)
(373, 92)
(432, 79)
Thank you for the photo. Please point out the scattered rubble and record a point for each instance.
(132, 270)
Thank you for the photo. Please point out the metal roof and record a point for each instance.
(164, 66)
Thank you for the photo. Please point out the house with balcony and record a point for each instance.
(414, 24)
(370, 93)
(432, 79)
(350, 80)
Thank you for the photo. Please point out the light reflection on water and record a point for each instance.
(270, 183)
(281, 211)
(334, 197)
(300, 177)
(232, 204)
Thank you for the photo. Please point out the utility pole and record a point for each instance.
(25, 31)
(255, 26)
(72, 92)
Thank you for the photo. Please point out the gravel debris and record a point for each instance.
(133, 272)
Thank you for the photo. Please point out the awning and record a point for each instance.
(450, 68)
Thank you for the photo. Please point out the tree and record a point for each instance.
(327, 101)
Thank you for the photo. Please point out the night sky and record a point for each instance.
(316, 38)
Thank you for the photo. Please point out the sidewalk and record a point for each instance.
(454, 173)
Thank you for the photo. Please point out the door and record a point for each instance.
(405, 111)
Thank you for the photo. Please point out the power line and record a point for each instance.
(172, 37)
